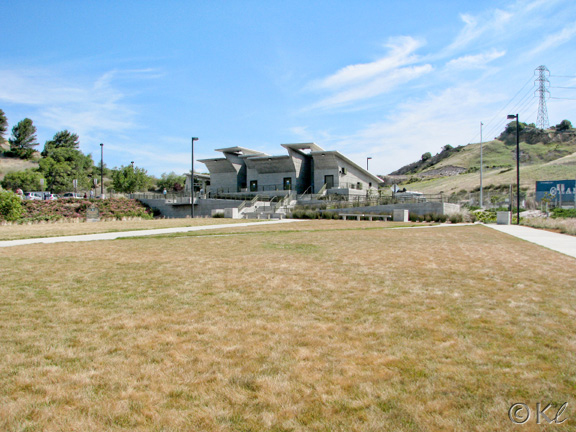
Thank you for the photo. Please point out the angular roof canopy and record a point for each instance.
(240, 151)
(303, 146)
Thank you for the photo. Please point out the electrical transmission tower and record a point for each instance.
(543, 94)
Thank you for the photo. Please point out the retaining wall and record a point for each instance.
(202, 207)
(414, 208)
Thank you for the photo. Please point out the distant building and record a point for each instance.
(307, 168)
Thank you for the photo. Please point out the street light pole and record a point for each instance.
(101, 171)
(512, 116)
(367, 159)
(192, 181)
(481, 168)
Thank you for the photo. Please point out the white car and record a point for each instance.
(34, 195)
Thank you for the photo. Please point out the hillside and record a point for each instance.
(459, 170)
(11, 164)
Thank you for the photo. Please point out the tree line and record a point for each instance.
(61, 162)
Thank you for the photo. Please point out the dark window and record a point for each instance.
(287, 182)
(253, 185)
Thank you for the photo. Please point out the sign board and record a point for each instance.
(557, 191)
(92, 214)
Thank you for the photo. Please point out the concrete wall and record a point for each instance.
(354, 176)
(325, 164)
(270, 171)
(303, 168)
(223, 175)
(202, 207)
(414, 208)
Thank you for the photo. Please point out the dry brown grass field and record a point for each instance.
(312, 326)
(64, 228)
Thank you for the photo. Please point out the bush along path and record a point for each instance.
(113, 208)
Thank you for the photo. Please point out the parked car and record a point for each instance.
(72, 195)
(34, 195)
(50, 196)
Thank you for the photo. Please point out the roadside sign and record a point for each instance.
(92, 214)
(557, 191)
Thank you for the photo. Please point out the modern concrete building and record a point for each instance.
(307, 168)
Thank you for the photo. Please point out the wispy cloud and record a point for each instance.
(417, 127)
(556, 39)
(363, 81)
(401, 53)
(477, 26)
(477, 61)
(78, 104)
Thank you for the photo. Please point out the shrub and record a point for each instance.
(10, 206)
(456, 218)
(563, 213)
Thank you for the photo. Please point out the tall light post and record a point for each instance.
(510, 117)
(481, 168)
(367, 159)
(101, 171)
(192, 181)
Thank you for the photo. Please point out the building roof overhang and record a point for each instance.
(339, 155)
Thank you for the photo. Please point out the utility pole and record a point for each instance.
(511, 116)
(481, 168)
(192, 181)
(101, 171)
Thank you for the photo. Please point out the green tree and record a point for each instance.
(23, 139)
(3, 126)
(426, 156)
(564, 125)
(63, 162)
(27, 180)
(171, 182)
(511, 127)
(128, 179)
(63, 139)
(10, 206)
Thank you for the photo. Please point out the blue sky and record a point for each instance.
(382, 79)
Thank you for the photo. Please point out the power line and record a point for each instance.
(567, 88)
(562, 98)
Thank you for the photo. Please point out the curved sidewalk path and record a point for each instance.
(562, 243)
(140, 233)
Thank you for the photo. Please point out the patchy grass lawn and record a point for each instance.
(65, 228)
(332, 329)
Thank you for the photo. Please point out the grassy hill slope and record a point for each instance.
(10, 165)
(538, 161)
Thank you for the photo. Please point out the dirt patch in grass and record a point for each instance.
(322, 330)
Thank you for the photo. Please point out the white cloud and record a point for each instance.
(556, 39)
(375, 87)
(449, 117)
(401, 53)
(360, 82)
(478, 61)
(477, 26)
(80, 105)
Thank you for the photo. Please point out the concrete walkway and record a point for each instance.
(562, 243)
(141, 233)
